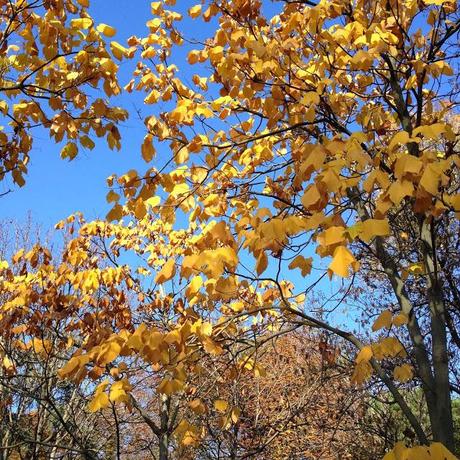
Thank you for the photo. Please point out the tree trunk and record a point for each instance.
(441, 412)
(163, 438)
(163, 448)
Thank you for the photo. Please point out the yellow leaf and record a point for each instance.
(84, 3)
(167, 272)
(118, 50)
(399, 138)
(220, 405)
(391, 347)
(397, 452)
(235, 414)
(331, 236)
(197, 406)
(8, 364)
(194, 286)
(435, 451)
(3, 107)
(407, 164)
(364, 355)
(112, 196)
(342, 261)
(417, 268)
(70, 367)
(69, 151)
(193, 57)
(194, 11)
(106, 30)
(311, 197)
(87, 142)
(118, 391)
(216, 53)
(100, 401)
(403, 373)
(116, 213)
(81, 23)
(439, 451)
(262, 263)
(430, 179)
(436, 2)
(170, 386)
(3, 264)
(362, 372)
(152, 97)
(135, 342)
(374, 227)
(173, 337)
(211, 347)
(109, 352)
(206, 329)
(303, 263)
(399, 190)
(187, 434)
(400, 319)
(362, 60)
(383, 321)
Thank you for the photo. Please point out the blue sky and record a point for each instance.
(56, 188)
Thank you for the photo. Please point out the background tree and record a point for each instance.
(41, 415)
(298, 403)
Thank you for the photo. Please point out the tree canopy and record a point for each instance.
(301, 145)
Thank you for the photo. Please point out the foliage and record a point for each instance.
(51, 56)
(314, 141)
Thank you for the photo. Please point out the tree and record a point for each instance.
(41, 416)
(298, 404)
(52, 55)
(321, 139)
(331, 126)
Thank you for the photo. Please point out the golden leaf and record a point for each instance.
(364, 355)
(383, 321)
(194, 11)
(262, 263)
(81, 23)
(305, 264)
(109, 352)
(331, 236)
(106, 30)
(220, 405)
(116, 213)
(119, 391)
(311, 197)
(342, 261)
(197, 406)
(167, 272)
(374, 227)
(403, 373)
(400, 319)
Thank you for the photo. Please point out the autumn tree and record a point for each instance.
(41, 415)
(298, 404)
(139, 345)
(319, 125)
(315, 140)
(52, 57)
